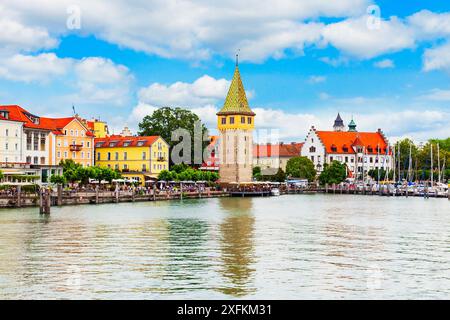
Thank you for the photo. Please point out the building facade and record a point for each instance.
(11, 139)
(138, 158)
(235, 122)
(211, 158)
(359, 151)
(271, 157)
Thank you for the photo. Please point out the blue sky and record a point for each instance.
(301, 61)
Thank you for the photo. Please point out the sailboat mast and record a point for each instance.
(393, 161)
(409, 164)
(439, 164)
(431, 168)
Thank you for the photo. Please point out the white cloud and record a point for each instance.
(383, 64)
(353, 37)
(16, 37)
(437, 58)
(437, 95)
(197, 28)
(428, 24)
(100, 80)
(317, 79)
(28, 68)
(204, 90)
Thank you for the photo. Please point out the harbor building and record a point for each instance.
(138, 158)
(235, 122)
(11, 138)
(98, 128)
(359, 151)
(211, 161)
(269, 157)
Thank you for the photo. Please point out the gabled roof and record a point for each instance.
(116, 141)
(56, 125)
(236, 100)
(349, 139)
(277, 150)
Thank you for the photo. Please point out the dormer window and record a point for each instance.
(113, 143)
(333, 148)
(4, 114)
(99, 144)
(345, 148)
(126, 143)
(140, 143)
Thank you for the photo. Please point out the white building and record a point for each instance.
(359, 151)
(11, 139)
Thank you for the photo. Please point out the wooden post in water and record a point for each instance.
(133, 190)
(181, 190)
(154, 191)
(326, 187)
(96, 195)
(19, 196)
(117, 193)
(44, 201)
(59, 190)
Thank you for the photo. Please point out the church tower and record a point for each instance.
(235, 122)
(338, 124)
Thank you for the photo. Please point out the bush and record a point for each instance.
(335, 172)
(301, 167)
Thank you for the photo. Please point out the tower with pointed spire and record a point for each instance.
(235, 122)
(338, 124)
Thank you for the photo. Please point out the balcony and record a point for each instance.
(161, 159)
(75, 147)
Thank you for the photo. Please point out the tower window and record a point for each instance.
(231, 120)
(249, 120)
(224, 120)
(242, 119)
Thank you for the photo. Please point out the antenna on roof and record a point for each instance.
(237, 57)
(73, 109)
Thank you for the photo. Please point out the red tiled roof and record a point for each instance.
(119, 141)
(277, 150)
(17, 113)
(349, 139)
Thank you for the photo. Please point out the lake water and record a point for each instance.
(287, 247)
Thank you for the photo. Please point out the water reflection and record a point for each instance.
(237, 246)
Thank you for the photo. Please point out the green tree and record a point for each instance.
(58, 179)
(301, 167)
(1, 175)
(333, 173)
(163, 121)
(280, 176)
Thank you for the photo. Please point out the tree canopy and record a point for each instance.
(164, 121)
(182, 172)
(1, 175)
(333, 173)
(75, 172)
(301, 167)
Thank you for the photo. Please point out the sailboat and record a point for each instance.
(441, 188)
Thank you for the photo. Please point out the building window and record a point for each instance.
(74, 155)
(88, 155)
(7, 132)
(59, 154)
(331, 159)
(125, 156)
(144, 167)
(125, 167)
(144, 155)
(42, 142)
(82, 155)
(29, 141)
(242, 119)
(117, 156)
(312, 158)
(28, 159)
(116, 167)
(35, 160)
(109, 156)
(249, 120)
(231, 120)
(71, 133)
(65, 154)
(88, 144)
(6, 146)
(224, 120)
(17, 147)
(36, 141)
(312, 149)
(42, 160)
(98, 156)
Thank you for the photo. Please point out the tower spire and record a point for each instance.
(237, 57)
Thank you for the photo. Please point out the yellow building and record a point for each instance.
(139, 158)
(99, 128)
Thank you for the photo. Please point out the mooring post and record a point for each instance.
(117, 193)
(154, 191)
(41, 201)
(133, 190)
(96, 195)
(181, 190)
(48, 201)
(59, 190)
(19, 196)
(326, 187)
